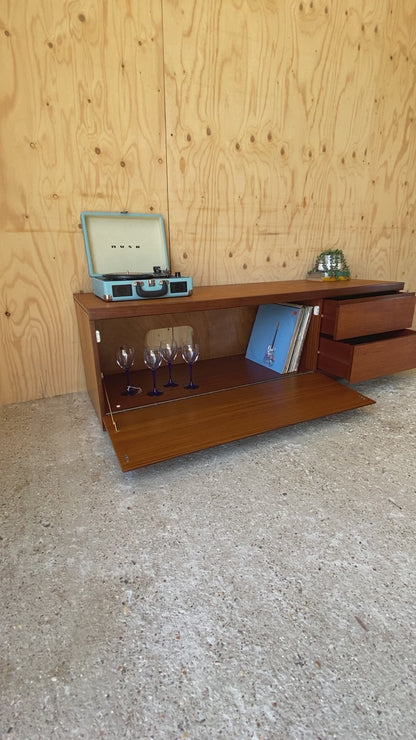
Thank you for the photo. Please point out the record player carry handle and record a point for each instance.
(152, 293)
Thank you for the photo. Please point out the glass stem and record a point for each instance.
(154, 380)
(170, 371)
(190, 374)
(127, 377)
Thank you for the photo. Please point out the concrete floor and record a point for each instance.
(262, 589)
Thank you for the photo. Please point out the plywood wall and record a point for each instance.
(263, 132)
(82, 127)
(291, 128)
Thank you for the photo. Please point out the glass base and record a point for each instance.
(155, 392)
(170, 384)
(191, 386)
(131, 391)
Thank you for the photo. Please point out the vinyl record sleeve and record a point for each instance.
(273, 334)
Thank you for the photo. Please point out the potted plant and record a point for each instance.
(330, 265)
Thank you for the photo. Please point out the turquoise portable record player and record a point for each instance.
(127, 257)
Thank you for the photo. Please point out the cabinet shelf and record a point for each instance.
(213, 375)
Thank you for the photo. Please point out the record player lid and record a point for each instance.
(123, 243)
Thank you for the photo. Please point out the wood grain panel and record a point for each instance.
(84, 111)
(376, 356)
(364, 316)
(237, 413)
(40, 350)
(219, 333)
(290, 129)
(82, 98)
(263, 132)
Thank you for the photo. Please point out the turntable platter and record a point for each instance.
(128, 276)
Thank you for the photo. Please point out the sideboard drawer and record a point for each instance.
(358, 317)
(370, 357)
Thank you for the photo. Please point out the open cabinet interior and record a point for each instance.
(222, 336)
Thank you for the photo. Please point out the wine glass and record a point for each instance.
(190, 353)
(125, 359)
(153, 359)
(169, 350)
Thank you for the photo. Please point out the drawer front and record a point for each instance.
(359, 317)
(368, 359)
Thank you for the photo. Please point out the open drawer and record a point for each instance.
(368, 357)
(358, 317)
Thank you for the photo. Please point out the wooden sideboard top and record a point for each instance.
(228, 296)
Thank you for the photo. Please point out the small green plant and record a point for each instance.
(330, 265)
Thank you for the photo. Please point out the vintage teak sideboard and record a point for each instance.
(359, 330)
